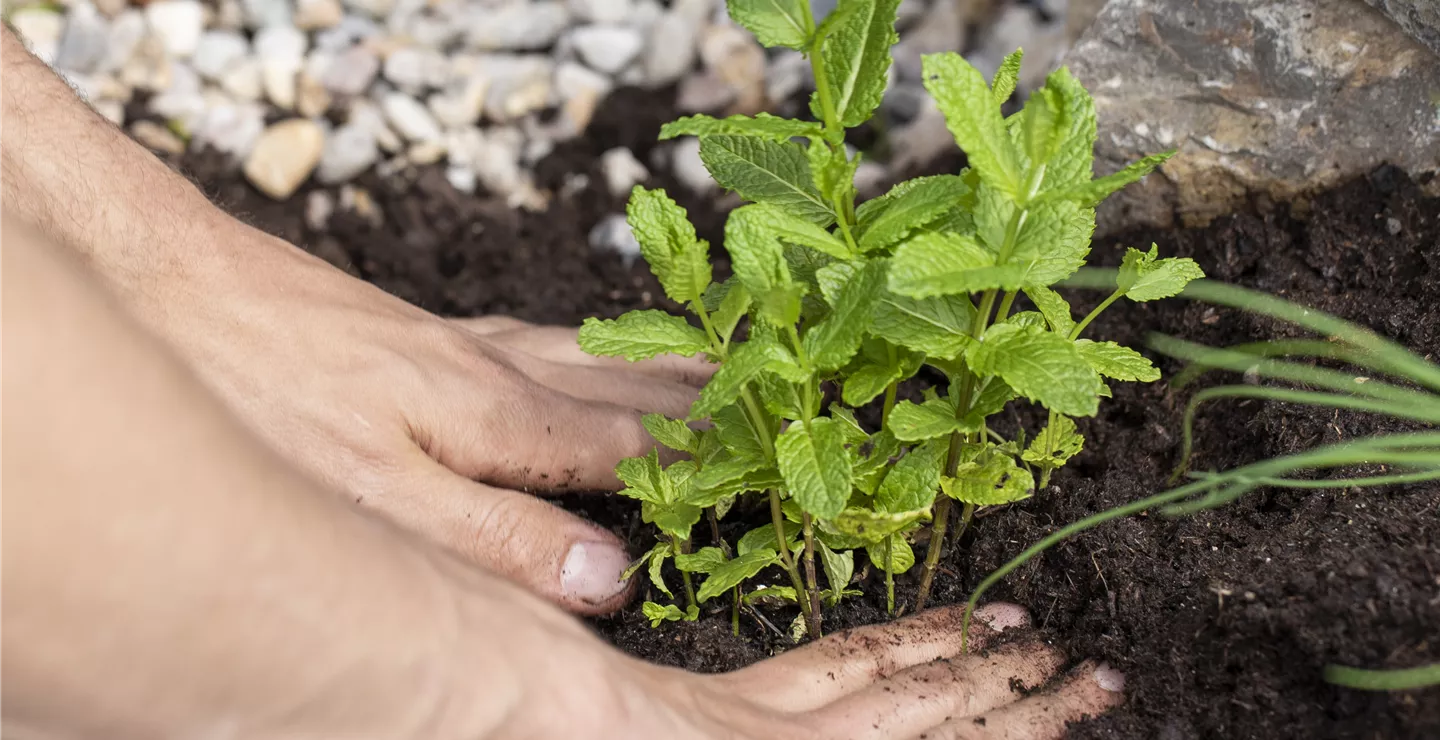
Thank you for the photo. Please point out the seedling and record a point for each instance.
(1372, 365)
(852, 300)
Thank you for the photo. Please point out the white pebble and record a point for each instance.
(607, 48)
(613, 234)
(177, 23)
(350, 150)
(518, 26)
(218, 53)
(284, 157)
(622, 170)
(410, 117)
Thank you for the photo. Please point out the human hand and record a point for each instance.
(906, 679)
(438, 424)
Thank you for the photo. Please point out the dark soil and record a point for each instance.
(1222, 621)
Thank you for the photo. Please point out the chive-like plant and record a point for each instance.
(1375, 375)
(831, 297)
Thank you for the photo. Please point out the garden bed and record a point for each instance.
(1222, 622)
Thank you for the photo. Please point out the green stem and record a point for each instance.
(1005, 304)
(1075, 333)
(1397, 680)
(932, 554)
(889, 575)
(683, 547)
(890, 391)
(812, 591)
(777, 517)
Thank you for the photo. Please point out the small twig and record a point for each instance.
(763, 621)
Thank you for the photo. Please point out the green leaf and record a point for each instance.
(640, 335)
(762, 126)
(816, 466)
(1029, 318)
(777, 173)
(1072, 163)
(660, 550)
(873, 526)
(668, 243)
(720, 475)
(973, 117)
(730, 574)
(736, 434)
(1056, 444)
(658, 614)
(704, 560)
(831, 343)
(1043, 126)
(671, 432)
(795, 230)
(755, 251)
(912, 483)
(991, 400)
(908, 206)
(901, 560)
(1114, 361)
(1049, 247)
(832, 170)
(1055, 308)
(1144, 277)
(938, 327)
(732, 308)
(746, 361)
(854, 433)
(643, 479)
(856, 58)
(774, 22)
(1003, 85)
(766, 594)
(673, 518)
(1090, 194)
(912, 422)
(763, 537)
(839, 568)
(877, 366)
(868, 471)
(656, 563)
(780, 397)
(992, 478)
(932, 264)
(1040, 365)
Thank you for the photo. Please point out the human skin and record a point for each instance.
(439, 425)
(167, 574)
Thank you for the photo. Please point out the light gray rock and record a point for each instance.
(787, 74)
(367, 115)
(283, 43)
(580, 90)
(688, 168)
(284, 157)
(518, 25)
(643, 14)
(622, 170)
(40, 28)
(670, 51)
(601, 11)
(231, 128)
(706, 92)
(126, 31)
(177, 23)
(733, 56)
(613, 234)
(607, 48)
(941, 29)
(85, 41)
(266, 13)
(350, 150)
(243, 80)
(1020, 27)
(372, 8)
(519, 84)
(462, 103)
(351, 30)
(1419, 18)
(218, 53)
(410, 118)
(1276, 98)
(319, 207)
(415, 69)
(352, 71)
(461, 179)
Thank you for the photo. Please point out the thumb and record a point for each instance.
(546, 550)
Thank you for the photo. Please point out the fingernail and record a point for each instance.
(1109, 678)
(1002, 616)
(592, 570)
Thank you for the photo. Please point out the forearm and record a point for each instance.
(165, 575)
(82, 182)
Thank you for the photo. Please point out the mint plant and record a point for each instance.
(828, 295)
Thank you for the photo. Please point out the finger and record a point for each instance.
(486, 325)
(648, 394)
(517, 433)
(933, 693)
(528, 540)
(1089, 692)
(833, 667)
(560, 344)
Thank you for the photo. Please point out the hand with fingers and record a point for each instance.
(905, 680)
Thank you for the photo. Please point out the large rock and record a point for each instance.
(1276, 98)
(1419, 18)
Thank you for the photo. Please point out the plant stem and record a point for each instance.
(812, 591)
(932, 555)
(683, 547)
(1005, 304)
(889, 575)
(1075, 333)
(889, 404)
(777, 517)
